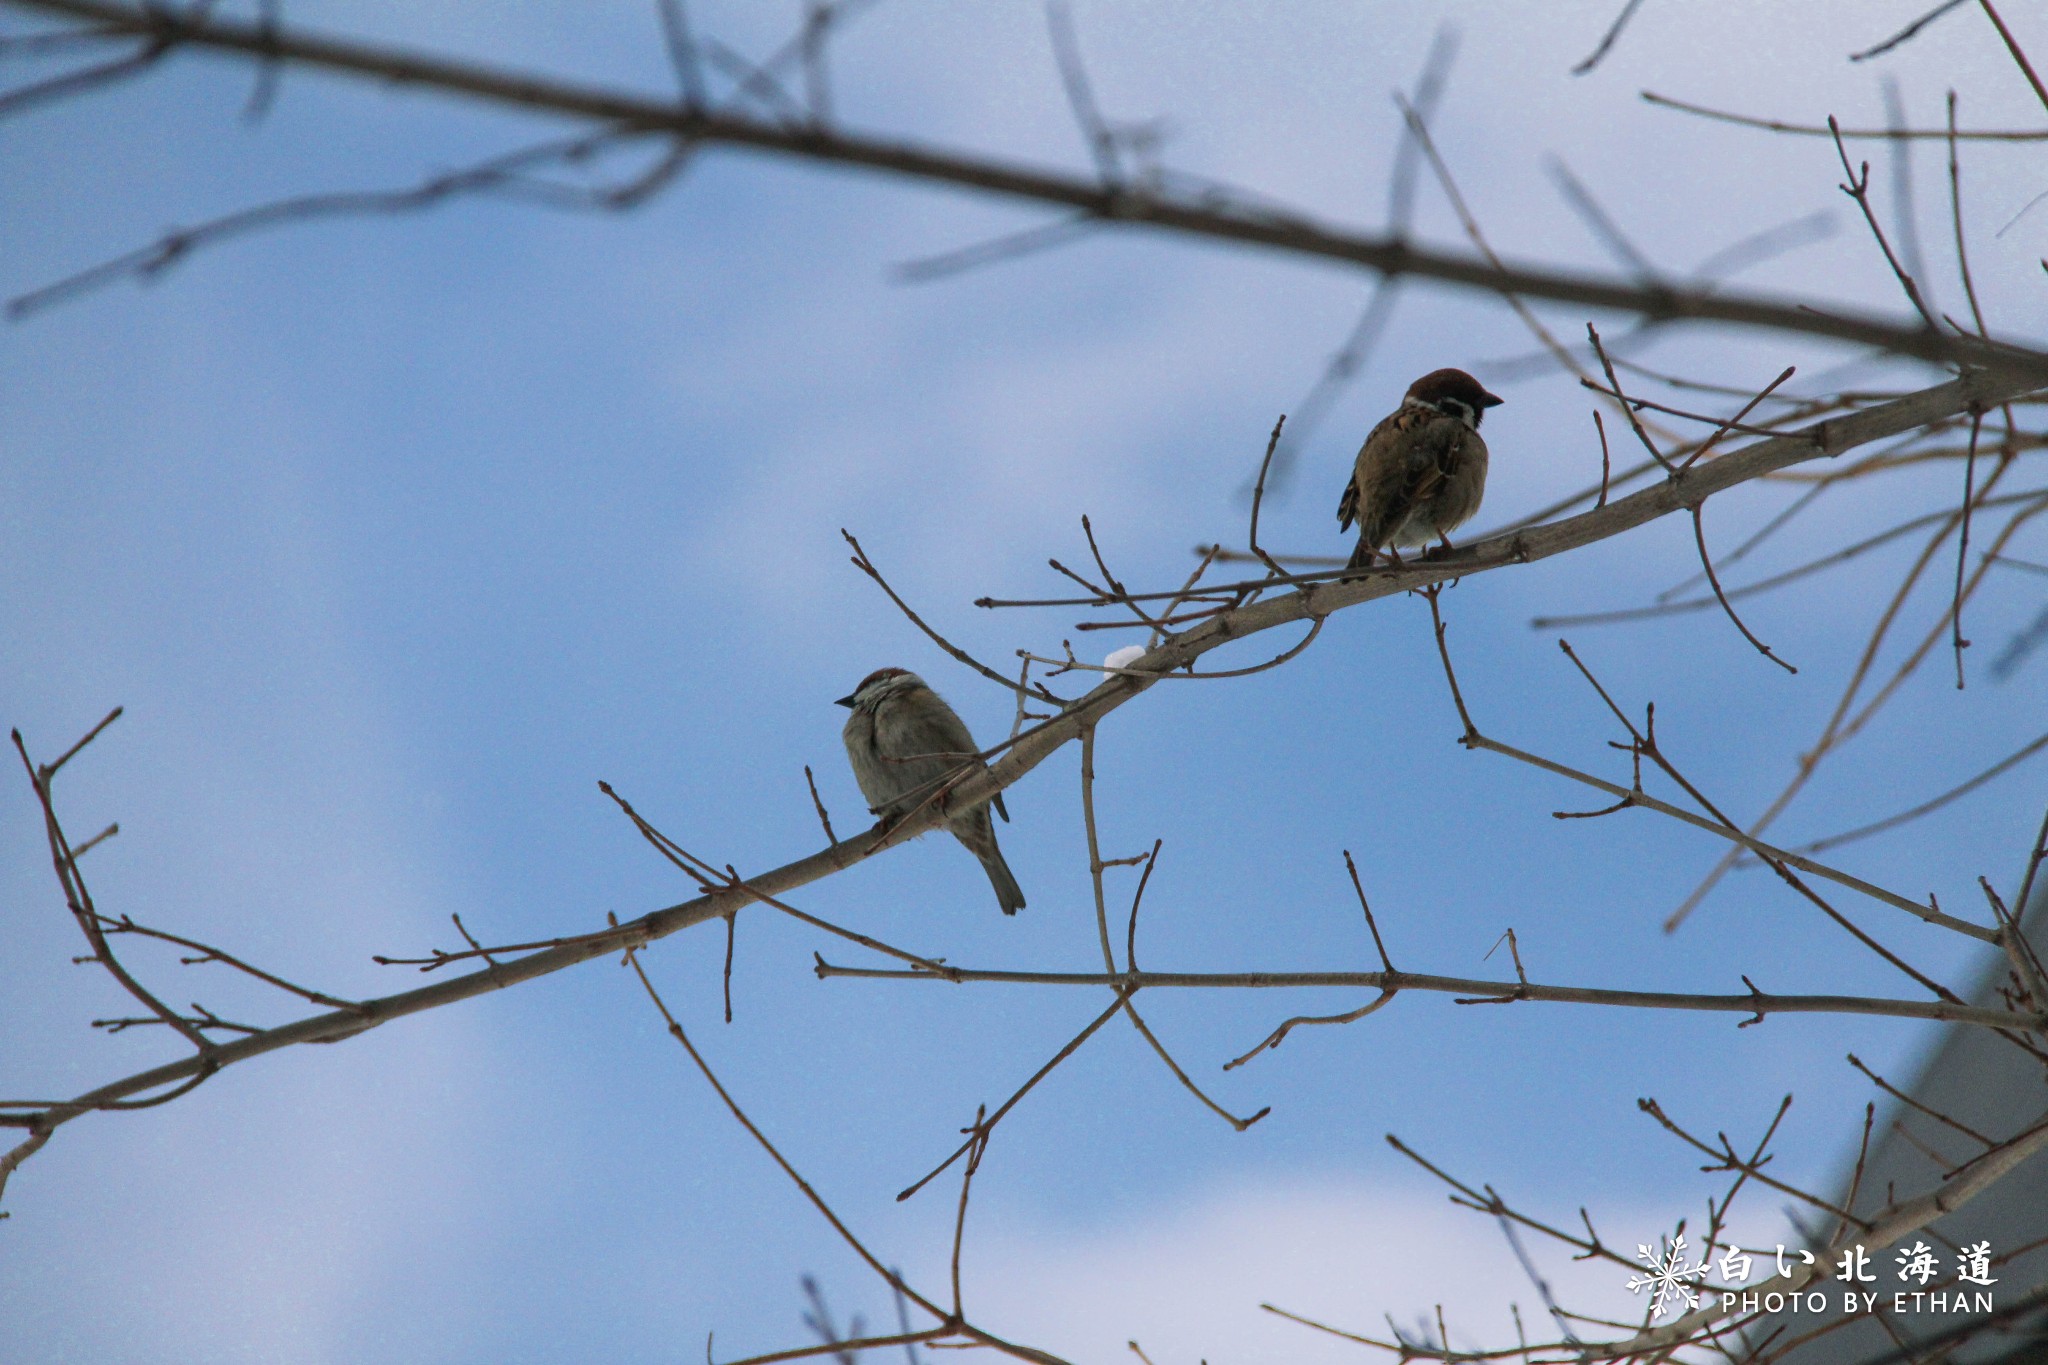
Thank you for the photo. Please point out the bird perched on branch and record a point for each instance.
(1421, 471)
(908, 747)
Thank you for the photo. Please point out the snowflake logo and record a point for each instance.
(1667, 1277)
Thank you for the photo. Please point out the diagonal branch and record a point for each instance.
(1036, 744)
(79, 900)
(1770, 125)
(1479, 990)
(2012, 45)
(1199, 212)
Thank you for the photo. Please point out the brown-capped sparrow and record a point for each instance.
(907, 747)
(1422, 470)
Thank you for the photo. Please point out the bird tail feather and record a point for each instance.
(977, 834)
(1008, 894)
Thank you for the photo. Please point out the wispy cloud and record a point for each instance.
(1186, 1280)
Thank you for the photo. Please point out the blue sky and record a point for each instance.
(395, 536)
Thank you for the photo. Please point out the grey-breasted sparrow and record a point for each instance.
(907, 746)
(1422, 470)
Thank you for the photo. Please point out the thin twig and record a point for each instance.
(1735, 423)
(1851, 134)
(1117, 592)
(1777, 580)
(1749, 1002)
(1597, 220)
(1933, 804)
(1138, 899)
(1628, 408)
(866, 566)
(1349, 359)
(79, 900)
(1370, 923)
(1095, 131)
(1259, 497)
(80, 850)
(1955, 204)
(1007, 247)
(1644, 743)
(46, 771)
(825, 969)
(505, 173)
(1607, 39)
(1467, 220)
(1855, 1171)
(91, 77)
(817, 85)
(2012, 45)
(1699, 537)
(715, 879)
(1906, 34)
(949, 1324)
(1724, 424)
(823, 818)
(682, 51)
(1096, 866)
(1070, 663)
(1902, 1097)
(1858, 189)
(1490, 1202)
(1605, 465)
(209, 953)
(1842, 725)
(1731, 1161)
(2034, 860)
(731, 934)
(1955, 614)
(1279, 1035)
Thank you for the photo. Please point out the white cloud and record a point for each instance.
(1186, 1282)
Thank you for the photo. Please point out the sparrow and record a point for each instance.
(907, 747)
(1421, 471)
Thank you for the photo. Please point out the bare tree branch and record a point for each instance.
(1751, 1003)
(1202, 214)
(1853, 134)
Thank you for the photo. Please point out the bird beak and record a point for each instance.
(846, 702)
(1489, 400)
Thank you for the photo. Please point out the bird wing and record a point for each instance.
(1370, 457)
(928, 744)
(1432, 450)
(1430, 458)
(1395, 458)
